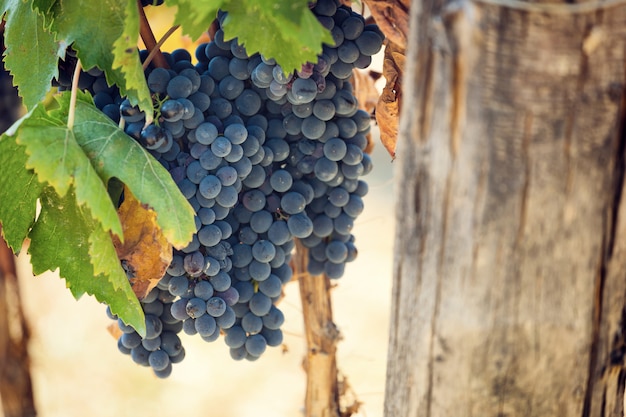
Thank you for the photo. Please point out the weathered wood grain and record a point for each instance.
(510, 269)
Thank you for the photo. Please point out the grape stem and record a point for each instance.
(148, 38)
(74, 93)
(157, 47)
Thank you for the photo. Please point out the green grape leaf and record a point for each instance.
(43, 6)
(101, 38)
(195, 16)
(126, 59)
(285, 30)
(115, 154)
(19, 190)
(62, 237)
(58, 159)
(31, 53)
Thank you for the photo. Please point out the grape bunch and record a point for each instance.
(264, 157)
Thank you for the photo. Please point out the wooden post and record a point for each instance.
(510, 269)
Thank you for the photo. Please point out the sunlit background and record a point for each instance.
(78, 371)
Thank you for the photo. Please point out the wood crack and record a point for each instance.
(608, 245)
(597, 316)
(528, 125)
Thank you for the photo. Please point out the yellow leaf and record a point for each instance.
(145, 251)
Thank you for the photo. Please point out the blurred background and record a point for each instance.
(78, 371)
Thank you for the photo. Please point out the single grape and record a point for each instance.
(203, 290)
(293, 202)
(369, 42)
(221, 281)
(171, 344)
(304, 90)
(152, 137)
(158, 360)
(248, 102)
(273, 337)
(205, 325)
(235, 337)
(313, 128)
(194, 263)
(273, 319)
(130, 340)
(272, 286)
(209, 235)
(210, 186)
(251, 323)
(226, 320)
(215, 306)
(172, 110)
(259, 271)
(260, 304)
(179, 87)
(256, 345)
(151, 344)
(300, 225)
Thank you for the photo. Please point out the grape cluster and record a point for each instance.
(263, 157)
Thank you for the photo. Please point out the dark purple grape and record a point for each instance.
(152, 137)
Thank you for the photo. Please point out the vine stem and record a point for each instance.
(157, 47)
(72, 111)
(148, 38)
(324, 389)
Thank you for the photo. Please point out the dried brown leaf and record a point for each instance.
(388, 107)
(367, 97)
(392, 17)
(365, 90)
(114, 330)
(387, 118)
(145, 251)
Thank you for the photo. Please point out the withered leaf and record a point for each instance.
(145, 253)
(114, 330)
(367, 97)
(392, 17)
(389, 103)
(365, 90)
